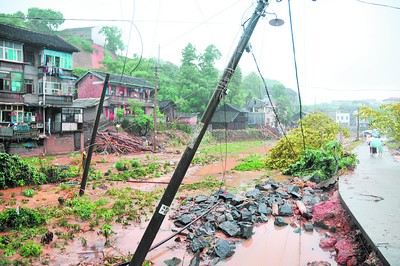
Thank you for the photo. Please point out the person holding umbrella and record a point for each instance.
(376, 146)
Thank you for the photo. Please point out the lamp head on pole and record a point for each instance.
(276, 22)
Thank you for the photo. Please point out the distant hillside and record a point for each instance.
(90, 60)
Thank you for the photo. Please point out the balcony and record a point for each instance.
(58, 100)
(124, 100)
(11, 97)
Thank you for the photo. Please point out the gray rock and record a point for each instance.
(282, 194)
(195, 261)
(285, 210)
(246, 215)
(314, 201)
(308, 227)
(224, 249)
(263, 209)
(201, 198)
(230, 228)
(173, 262)
(262, 218)
(254, 194)
(246, 230)
(199, 243)
(279, 221)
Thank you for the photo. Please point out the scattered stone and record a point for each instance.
(282, 194)
(263, 209)
(199, 243)
(186, 219)
(230, 228)
(308, 227)
(285, 210)
(327, 242)
(265, 187)
(173, 262)
(224, 249)
(246, 215)
(200, 199)
(297, 230)
(318, 263)
(195, 261)
(321, 224)
(246, 230)
(307, 215)
(279, 221)
(255, 193)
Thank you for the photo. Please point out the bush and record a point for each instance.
(318, 130)
(14, 172)
(30, 249)
(325, 162)
(20, 217)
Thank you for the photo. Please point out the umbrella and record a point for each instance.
(377, 143)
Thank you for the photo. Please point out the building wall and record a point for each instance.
(60, 143)
(86, 88)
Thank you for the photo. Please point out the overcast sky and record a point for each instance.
(345, 49)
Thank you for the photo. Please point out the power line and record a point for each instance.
(297, 76)
(377, 4)
(272, 105)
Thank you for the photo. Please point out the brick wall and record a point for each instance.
(86, 88)
(60, 143)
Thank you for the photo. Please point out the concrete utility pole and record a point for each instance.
(93, 138)
(180, 171)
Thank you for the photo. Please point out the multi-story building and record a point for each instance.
(37, 90)
(121, 89)
(260, 113)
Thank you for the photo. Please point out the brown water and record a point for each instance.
(270, 245)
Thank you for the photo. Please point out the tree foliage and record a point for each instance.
(49, 20)
(113, 38)
(324, 162)
(318, 129)
(386, 118)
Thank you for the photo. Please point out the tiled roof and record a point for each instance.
(85, 103)
(125, 80)
(224, 117)
(38, 39)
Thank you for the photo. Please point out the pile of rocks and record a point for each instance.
(233, 218)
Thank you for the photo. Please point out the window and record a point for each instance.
(71, 115)
(16, 82)
(29, 86)
(11, 51)
(57, 59)
(29, 58)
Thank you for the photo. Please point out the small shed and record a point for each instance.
(230, 117)
(167, 108)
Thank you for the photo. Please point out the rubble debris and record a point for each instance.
(119, 142)
(236, 215)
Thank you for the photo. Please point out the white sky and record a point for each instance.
(345, 49)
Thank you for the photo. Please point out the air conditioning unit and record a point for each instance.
(40, 103)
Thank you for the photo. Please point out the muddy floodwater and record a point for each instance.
(269, 245)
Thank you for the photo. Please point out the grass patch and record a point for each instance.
(254, 162)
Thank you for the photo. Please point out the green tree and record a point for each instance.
(386, 118)
(141, 123)
(16, 19)
(236, 94)
(283, 103)
(45, 20)
(113, 38)
(188, 82)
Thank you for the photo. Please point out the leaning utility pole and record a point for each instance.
(93, 138)
(190, 151)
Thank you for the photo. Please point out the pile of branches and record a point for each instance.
(119, 142)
